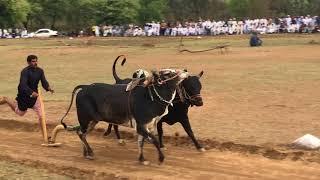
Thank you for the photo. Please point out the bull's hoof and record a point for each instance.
(161, 159)
(89, 157)
(121, 142)
(106, 133)
(202, 150)
(145, 163)
(164, 148)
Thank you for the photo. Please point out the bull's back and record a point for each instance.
(104, 102)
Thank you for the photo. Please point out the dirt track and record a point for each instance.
(256, 102)
(222, 161)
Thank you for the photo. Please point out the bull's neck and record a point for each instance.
(163, 93)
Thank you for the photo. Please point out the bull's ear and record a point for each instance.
(200, 74)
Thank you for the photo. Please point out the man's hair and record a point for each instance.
(30, 57)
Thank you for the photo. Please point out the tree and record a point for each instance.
(13, 12)
(258, 8)
(34, 16)
(314, 7)
(81, 14)
(116, 12)
(195, 9)
(54, 11)
(238, 8)
(151, 10)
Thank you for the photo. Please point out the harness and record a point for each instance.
(150, 89)
(162, 100)
(183, 95)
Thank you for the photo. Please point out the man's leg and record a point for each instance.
(11, 103)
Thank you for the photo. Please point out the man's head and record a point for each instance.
(32, 60)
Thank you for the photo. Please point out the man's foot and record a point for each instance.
(2, 100)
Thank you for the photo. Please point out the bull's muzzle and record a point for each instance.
(197, 101)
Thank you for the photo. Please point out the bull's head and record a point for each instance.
(192, 86)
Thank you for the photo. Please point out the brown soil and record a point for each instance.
(257, 101)
(222, 160)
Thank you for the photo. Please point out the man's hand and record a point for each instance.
(51, 90)
(34, 94)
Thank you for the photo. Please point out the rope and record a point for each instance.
(161, 98)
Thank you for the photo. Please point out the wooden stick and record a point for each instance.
(54, 133)
(42, 120)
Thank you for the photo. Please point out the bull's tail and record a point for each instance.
(73, 93)
(114, 73)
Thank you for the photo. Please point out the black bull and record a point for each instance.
(113, 104)
(188, 95)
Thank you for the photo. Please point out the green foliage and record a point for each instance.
(195, 9)
(116, 12)
(151, 10)
(13, 12)
(81, 14)
(73, 15)
(314, 7)
(238, 8)
(258, 8)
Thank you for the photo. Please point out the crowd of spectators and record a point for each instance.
(13, 33)
(288, 24)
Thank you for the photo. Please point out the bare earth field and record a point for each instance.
(257, 101)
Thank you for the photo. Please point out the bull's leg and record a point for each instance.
(116, 131)
(82, 133)
(160, 134)
(82, 136)
(152, 139)
(186, 125)
(108, 131)
(140, 147)
(87, 118)
(85, 148)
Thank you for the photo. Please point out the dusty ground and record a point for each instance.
(119, 162)
(257, 101)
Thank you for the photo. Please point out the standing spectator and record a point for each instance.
(318, 20)
(163, 27)
(93, 30)
(97, 31)
(24, 33)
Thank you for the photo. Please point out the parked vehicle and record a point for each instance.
(44, 33)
